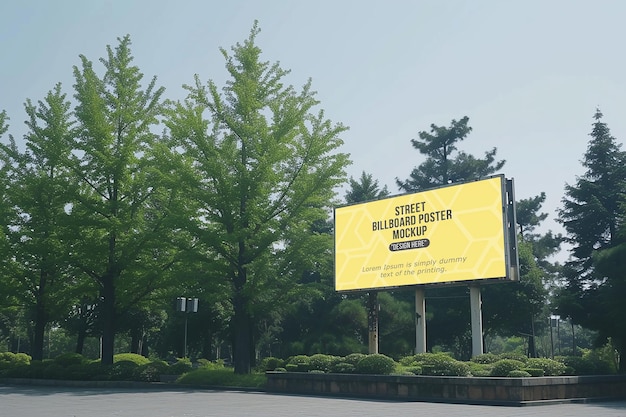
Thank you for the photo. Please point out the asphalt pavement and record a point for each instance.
(59, 401)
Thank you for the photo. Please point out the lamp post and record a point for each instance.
(554, 322)
(186, 305)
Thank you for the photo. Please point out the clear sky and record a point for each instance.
(529, 74)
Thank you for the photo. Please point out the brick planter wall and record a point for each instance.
(506, 391)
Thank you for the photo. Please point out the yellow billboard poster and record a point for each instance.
(448, 234)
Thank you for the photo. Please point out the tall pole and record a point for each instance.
(185, 345)
(372, 307)
(477, 320)
(420, 320)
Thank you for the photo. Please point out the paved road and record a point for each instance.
(29, 401)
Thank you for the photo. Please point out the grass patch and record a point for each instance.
(222, 378)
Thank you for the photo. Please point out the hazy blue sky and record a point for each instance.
(529, 74)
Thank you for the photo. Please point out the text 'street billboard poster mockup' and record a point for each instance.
(455, 233)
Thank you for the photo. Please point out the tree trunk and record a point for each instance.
(80, 339)
(242, 329)
(108, 319)
(39, 331)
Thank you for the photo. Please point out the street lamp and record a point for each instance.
(186, 305)
(554, 322)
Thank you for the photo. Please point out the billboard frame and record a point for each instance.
(509, 257)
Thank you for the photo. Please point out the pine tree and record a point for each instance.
(593, 215)
(442, 166)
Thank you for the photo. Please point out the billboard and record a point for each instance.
(451, 234)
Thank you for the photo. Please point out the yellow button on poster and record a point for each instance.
(448, 234)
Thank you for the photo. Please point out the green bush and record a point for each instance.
(51, 371)
(181, 366)
(504, 366)
(131, 357)
(536, 372)
(413, 370)
(320, 362)
(270, 363)
(589, 364)
(222, 378)
(151, 372)
(518, 373)
(550, 366)
(67, 359)
(479, 369)
(376, 363)
(123, 371)
(207, 364)
(486, 358)
(302, 363)
(516, 356)
(343, 368)
(353, 358)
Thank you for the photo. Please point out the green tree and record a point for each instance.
(261, 170)
(124, 238)
(593, 214)
(444, 163)
(8, 292)
(508, 307)
(38, 196)
(365, 189)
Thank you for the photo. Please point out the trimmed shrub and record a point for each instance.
(518, 374)
(486, 358)
(131, 357)
(320, 362)
(291, 367)
(181, 366)
(513, 355)
(413, 370)
(151, 372)
(504, 366)
(123, 371)
(534, 372)
(270, 364)
(550, 366)
(479, 369)
(301, 362)
(51, 371)
(67, 359)
(376, 363)
(223, 378)
(587, 365)
(353, 358)
(343, 368)
(203, 363)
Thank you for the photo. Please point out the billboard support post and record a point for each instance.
(372, 318)
(477, 320)
(420, 320)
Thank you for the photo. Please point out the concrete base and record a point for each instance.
(474, 390)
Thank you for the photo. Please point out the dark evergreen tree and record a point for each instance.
(444, 163)
(365, 189)
(593, 215)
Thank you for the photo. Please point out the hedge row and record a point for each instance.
(438, 364)
(73, 366)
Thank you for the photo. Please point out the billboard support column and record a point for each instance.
(372, 318)
(420, 320)
(477, 320)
